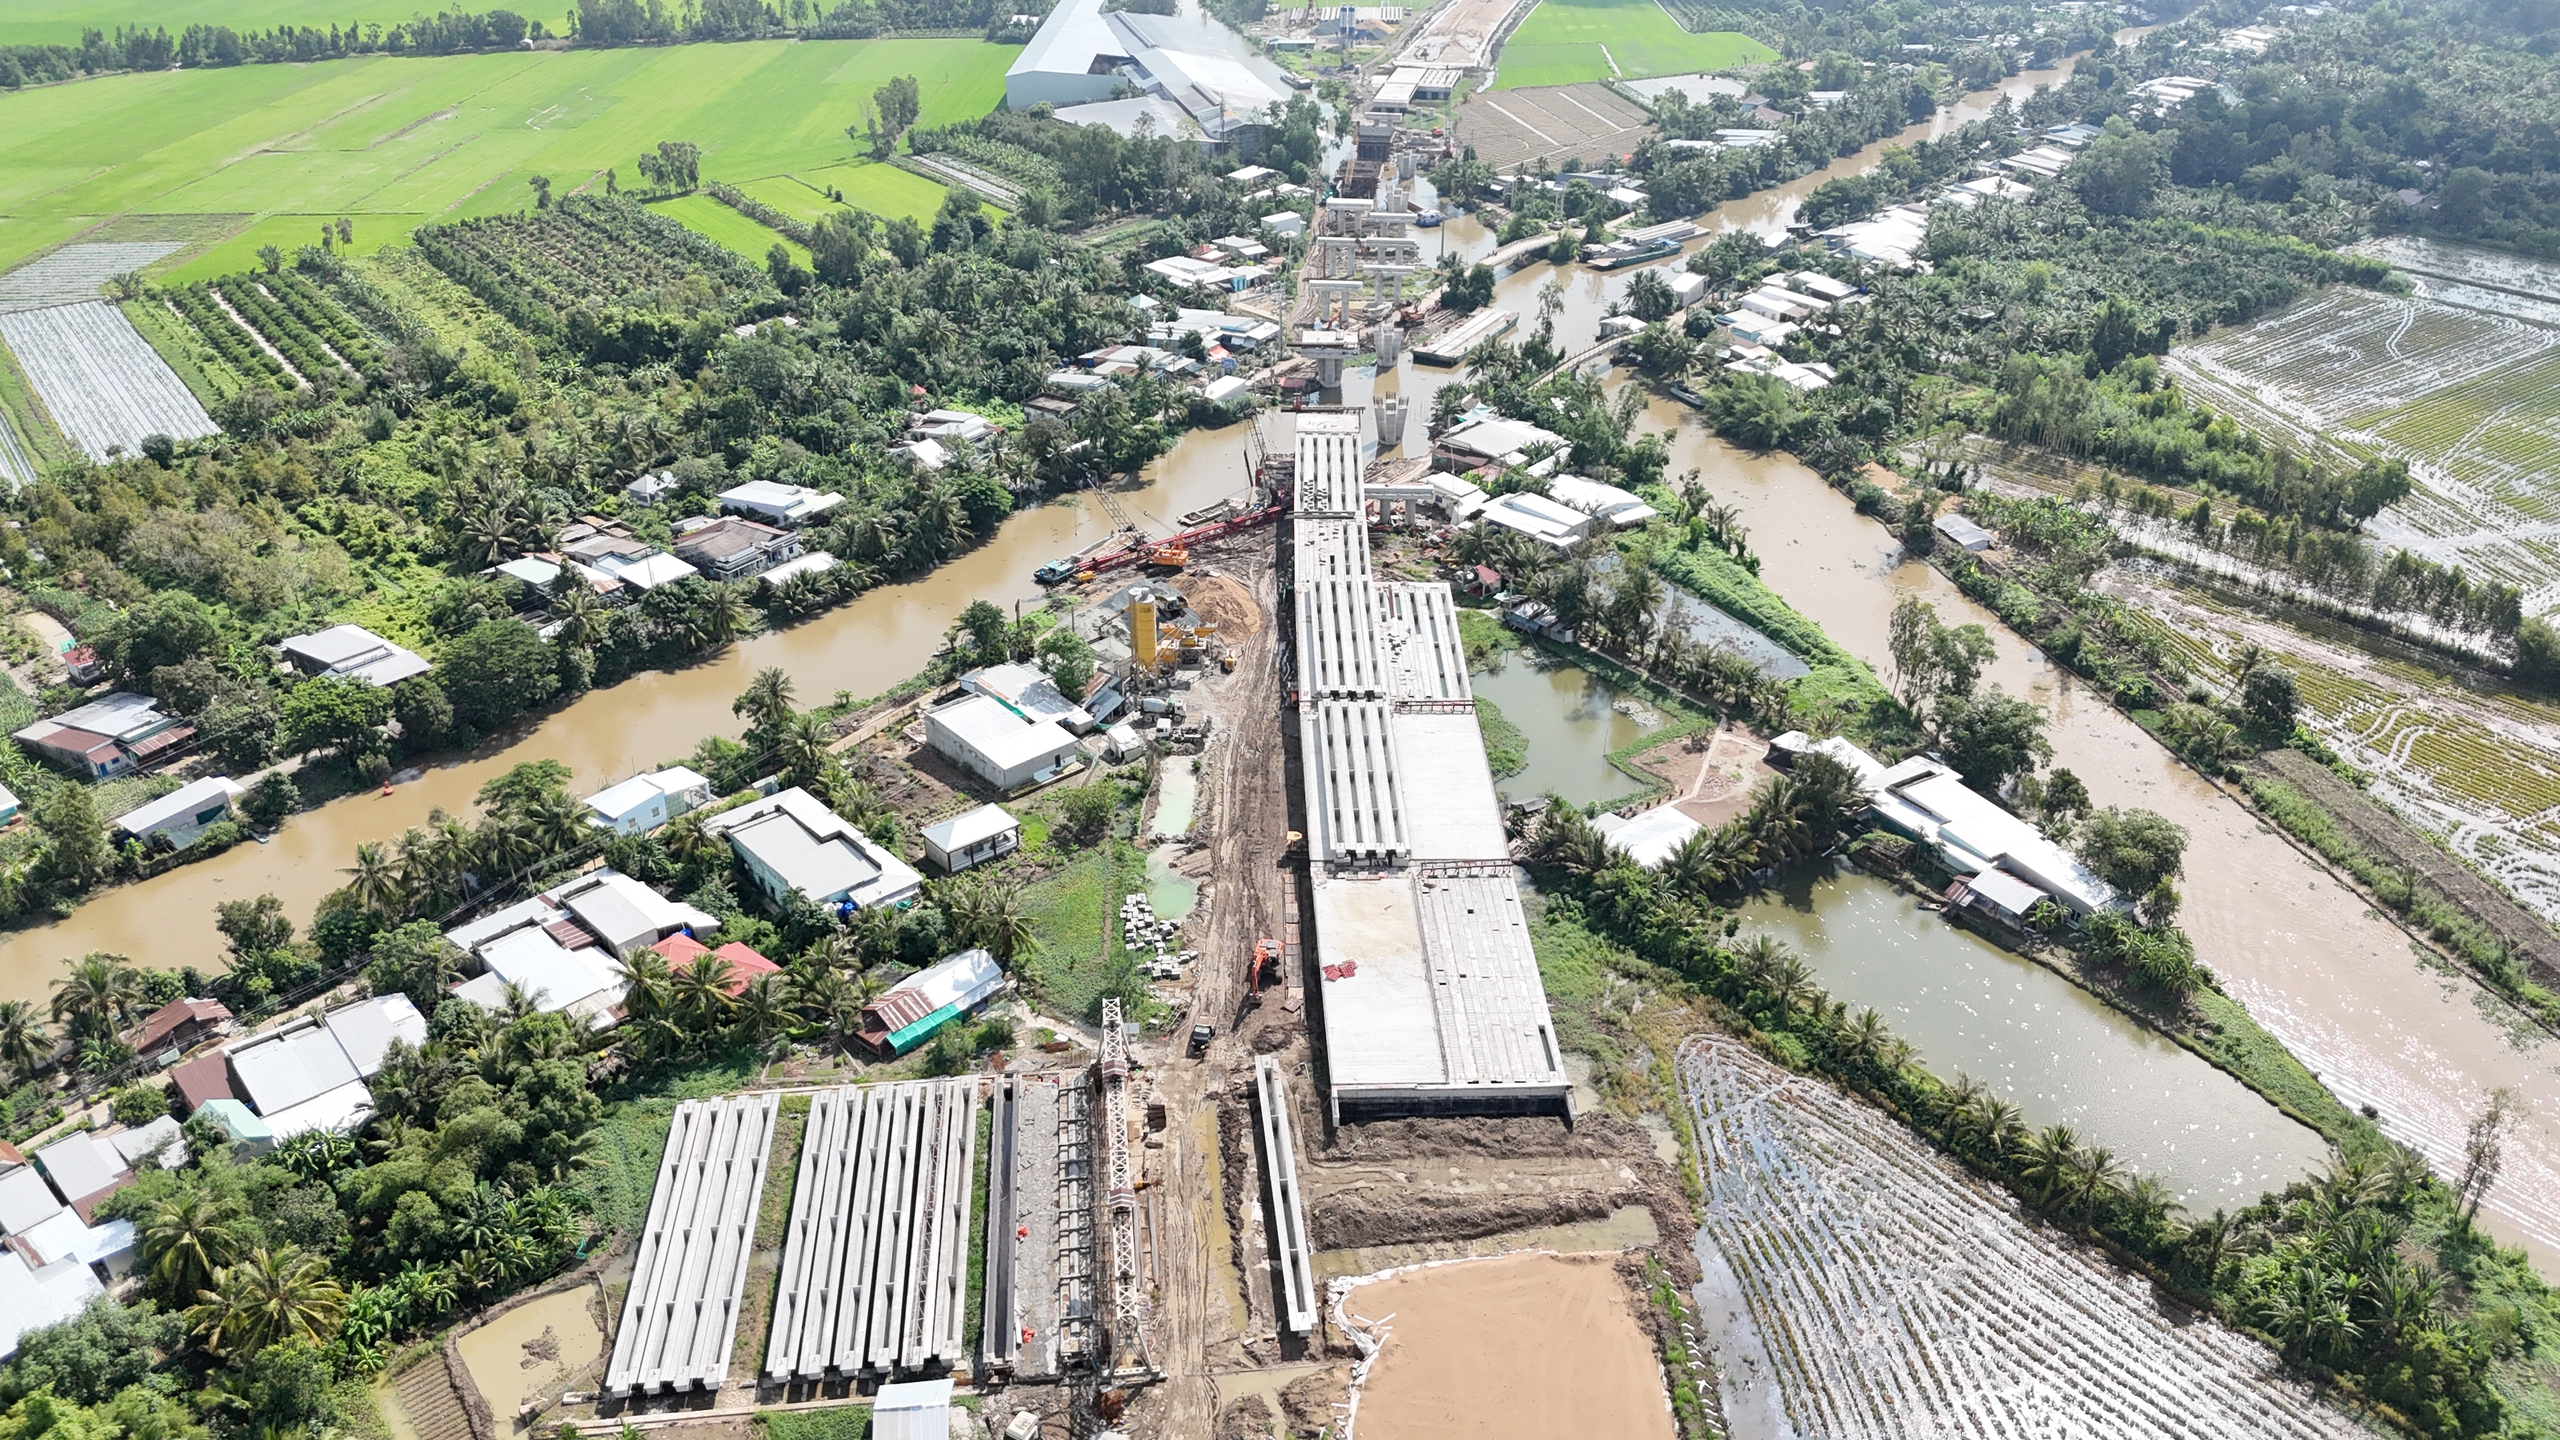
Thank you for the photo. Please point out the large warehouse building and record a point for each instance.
(1083, 55)
(1431, 999)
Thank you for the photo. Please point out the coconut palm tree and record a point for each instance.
(766, 702)
(1691, 867)
(271, 1296)
(2047, 1159)
(186, 1237)
(702, 991)
(767, 1010)
(23, 1041)
(802, 744)
(2210, 1244)
(374, 880)
(2001, 1125)
(648, 985)
(578, 613)
(1790, 986)
(2149, 1202)
(1865, 1039)
(717, 618)
(96, 993)
(556, 823)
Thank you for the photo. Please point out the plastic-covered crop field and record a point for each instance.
(100, 380)
(75, 272)
(1889, 1295)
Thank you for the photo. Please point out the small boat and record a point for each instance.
(1687, 396)
(1427, 219)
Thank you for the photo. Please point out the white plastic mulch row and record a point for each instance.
(76, 272)
(100, 380)
(1895, 1297)
(17, 467)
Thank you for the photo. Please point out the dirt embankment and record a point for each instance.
(1401, 1182)
(2388, 836)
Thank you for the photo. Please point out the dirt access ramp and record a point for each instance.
(2406, 846)
(1551, 122)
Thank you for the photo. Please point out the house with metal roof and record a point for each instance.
(968, 839)
(926, 1001)
(564, 948)
(183, 814)
(109, 736)
(179, 1024)
(792, 843)
(981, 735)
(33, 1297)
(352, 650)
(26, 1200)
(735, 548)
(644, 802)
(778, 502)
(309, 1074)
(1029, 693)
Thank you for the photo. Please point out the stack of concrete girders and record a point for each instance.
(876, 1258)
(681, 1316)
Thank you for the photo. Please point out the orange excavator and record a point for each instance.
(1167, 558)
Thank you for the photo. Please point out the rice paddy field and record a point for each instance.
(59, 22)
(1564, 42)
(1865, 1286)
(2461, 378)
(2474, 764)
(261, 154)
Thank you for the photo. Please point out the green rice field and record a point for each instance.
(59, 22)
(726, 227)
(1564, 42)
(393, 142)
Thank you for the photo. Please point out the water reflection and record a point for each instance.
(1572, 721)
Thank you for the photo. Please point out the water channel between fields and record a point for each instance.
(2041, 1043)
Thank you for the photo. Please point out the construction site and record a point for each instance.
(1151, 1230)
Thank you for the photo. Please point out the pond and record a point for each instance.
(1172, 894)
(1177, 795)
(1572, 719)
(1710, 626)
(2040, 1042)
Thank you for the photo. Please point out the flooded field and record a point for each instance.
(1525, 1347)
(532, 1351)
(1859, 1285)
(1572, 719)
(2475, 764)
(2335, 982)
(2040, 1042)
(2461, 378)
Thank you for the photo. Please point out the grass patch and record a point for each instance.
(1561, 43)
(1506, 747)
(844, 1422)
(883, 190)
(393, 140)
(974, 1317)
(289, 233)
(1485, 636)
(727, 228)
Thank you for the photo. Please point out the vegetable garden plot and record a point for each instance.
(75, 273)
(1895, 1297)
(102, 382)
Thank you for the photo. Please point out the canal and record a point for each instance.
(2043, 1044)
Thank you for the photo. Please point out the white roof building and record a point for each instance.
(1500, 442)
(1027, 692)
(645, 802)
(1964, 532)
(791, 842)
(310, 1073)
(1925, 800)
(564, 947)
(353, 650)
(32, 1298)
(971, 837)
(780, 503)
(26, 1201)
(1082, 54)
(1649, 838)
(646, 572)
(83, 1168)
(1537, 517)
(814, 562)
(183, 813)
(1607, 503)
(990, 740)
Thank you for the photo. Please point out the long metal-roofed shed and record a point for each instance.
(875, 1260)
(681, 1315)
(1431, 1002)
(1328, 479)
